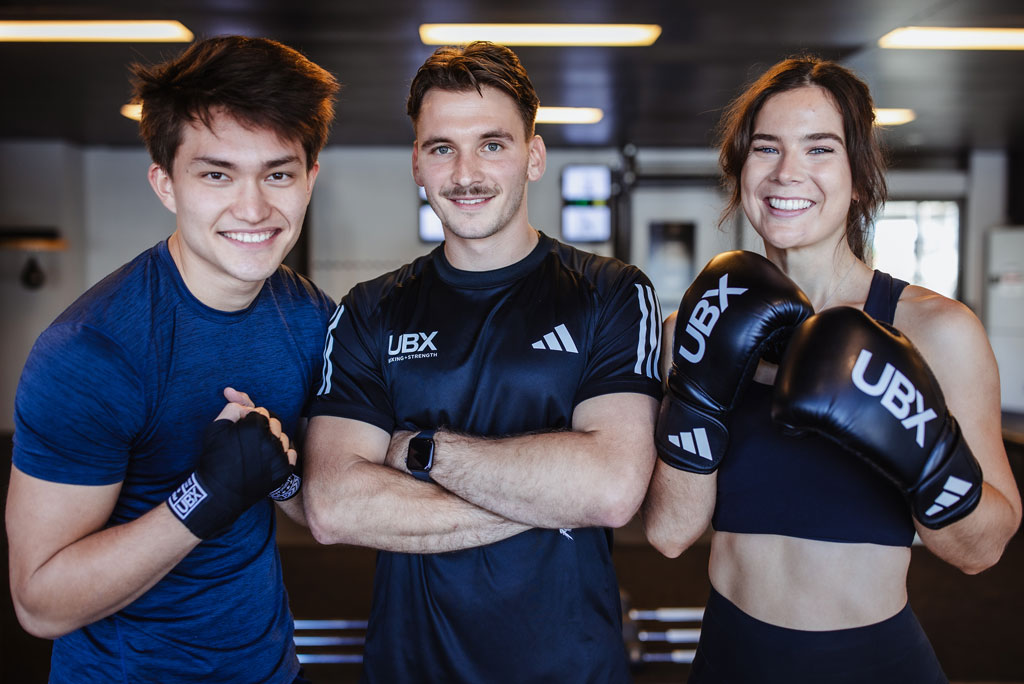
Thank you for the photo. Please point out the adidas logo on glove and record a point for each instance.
(695, 442)
(952, 491)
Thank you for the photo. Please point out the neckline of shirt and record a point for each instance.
(193, 302)
(499, 276)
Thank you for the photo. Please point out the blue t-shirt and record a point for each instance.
(494, 353)
(120, 388)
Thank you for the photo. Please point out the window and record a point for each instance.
(920, 242)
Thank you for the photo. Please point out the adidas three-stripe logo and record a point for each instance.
(952, 491)
(695, 442)
(557, 340)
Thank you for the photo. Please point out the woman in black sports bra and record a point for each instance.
(811, 532)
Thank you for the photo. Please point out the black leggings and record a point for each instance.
(737, 648)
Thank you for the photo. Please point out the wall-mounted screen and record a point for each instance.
(586, 214)
(586, 223)
(589, 182)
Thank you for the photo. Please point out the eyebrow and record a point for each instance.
(225, 164)
(442, 140)
(501, 135)
(810, 137)
(433, 141)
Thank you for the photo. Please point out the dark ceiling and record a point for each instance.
(670, 94)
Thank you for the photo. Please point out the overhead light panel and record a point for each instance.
(552, 115)
(623, 35)
(569, 115)
(94, 32)
(946, 38)
(894, 116)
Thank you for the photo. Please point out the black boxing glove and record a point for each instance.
(865, 386)
(241, 463)
(737, 308)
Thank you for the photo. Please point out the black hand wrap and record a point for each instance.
(241, 463)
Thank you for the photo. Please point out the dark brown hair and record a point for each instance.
(469, 68)
(259, 82)
(853, 99)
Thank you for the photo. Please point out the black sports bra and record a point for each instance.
(807, 486)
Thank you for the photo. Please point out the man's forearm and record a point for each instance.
(542, 480)
(589, 476)
(373, 505)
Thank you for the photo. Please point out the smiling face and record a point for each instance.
(240, 195)
(796, 185)
(473, 159)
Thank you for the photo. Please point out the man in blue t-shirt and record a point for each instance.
(486, 412)
(145, 547)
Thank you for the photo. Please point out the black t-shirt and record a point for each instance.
(494, 353)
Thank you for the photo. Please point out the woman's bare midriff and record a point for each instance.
(808, 584)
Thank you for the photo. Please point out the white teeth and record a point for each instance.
(250, 237)
(469, 201)
(788, 204)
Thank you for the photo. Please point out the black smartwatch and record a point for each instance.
(420, 458)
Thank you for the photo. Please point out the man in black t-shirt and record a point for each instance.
(486, 412)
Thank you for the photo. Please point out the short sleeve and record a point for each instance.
(78, 408)
(352, 383)
(627, 344)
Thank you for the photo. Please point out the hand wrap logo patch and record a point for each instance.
(187, 497)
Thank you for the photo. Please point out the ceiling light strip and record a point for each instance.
(547, 115)
(94, 31)
(948, 38)
(622, 35)
(569, 115)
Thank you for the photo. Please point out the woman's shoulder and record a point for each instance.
(938, 325)
(924, 309)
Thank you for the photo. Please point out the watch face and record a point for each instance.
(421, 453)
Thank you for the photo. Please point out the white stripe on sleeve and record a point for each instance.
(328, 368)
(644, 327)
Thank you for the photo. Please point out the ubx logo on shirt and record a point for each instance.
(411, 343)
(416, 345)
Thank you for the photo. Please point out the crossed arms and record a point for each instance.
(357, 490)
